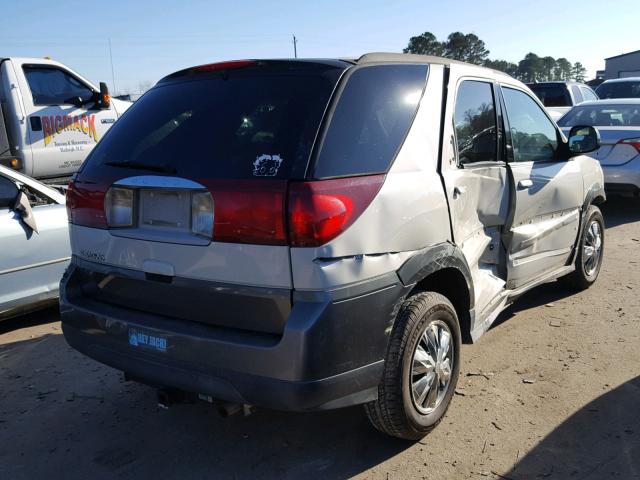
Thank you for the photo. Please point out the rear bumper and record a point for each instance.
(623, 178)
(330, 354)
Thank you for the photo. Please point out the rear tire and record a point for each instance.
(590, 253)
(421, 368)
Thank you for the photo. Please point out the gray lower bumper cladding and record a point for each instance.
(329, 355)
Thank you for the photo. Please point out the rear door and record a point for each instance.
(61, 131)
(477, 182)
(547, 192)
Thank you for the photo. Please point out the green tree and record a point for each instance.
(579, 73)
(425, 44)
(530, 68)
(509, 68)
(467, 48)
(548, 65)
(563, 69)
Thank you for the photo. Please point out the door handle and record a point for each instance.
(524, 184)
(459, 190)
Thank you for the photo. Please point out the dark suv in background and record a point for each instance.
(559, 97)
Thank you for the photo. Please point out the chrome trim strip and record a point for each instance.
(35, 265)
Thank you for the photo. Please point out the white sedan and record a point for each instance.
(34, 242)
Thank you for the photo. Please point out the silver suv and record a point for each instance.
(313, 234)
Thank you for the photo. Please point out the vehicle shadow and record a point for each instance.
(539, 296)
(619, 210)
(47, 315)
(59, 406)
(601, 440)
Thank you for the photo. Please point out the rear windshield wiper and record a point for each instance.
(142, 166)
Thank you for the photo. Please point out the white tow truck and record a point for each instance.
(51, 117)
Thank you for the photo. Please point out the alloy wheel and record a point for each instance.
(592, 248)
(431, 367)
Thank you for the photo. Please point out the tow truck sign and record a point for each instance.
(55, 124)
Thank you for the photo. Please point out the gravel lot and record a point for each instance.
(551, 391)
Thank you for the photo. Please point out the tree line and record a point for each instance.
(469, 48)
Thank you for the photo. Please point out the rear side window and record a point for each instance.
(534, 136)
(52, 86)
(372, 117)
(240, 126)
(552, 95)
(626, 89)
(475, 122)
(588, 94)
(577, 94)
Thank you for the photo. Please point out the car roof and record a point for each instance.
(557, 82)
(382, 57)
(391, 57)
(620, 80)
(611, 101)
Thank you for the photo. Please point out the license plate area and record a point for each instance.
(163, 215)
(165, 210)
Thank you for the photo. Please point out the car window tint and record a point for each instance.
(251, 124)
(533, 135)
(52, 86)
(603, 116)
(577, 94)
(551, 95)
(475, 122)
(8, 192)
(372, 117)
(625, 89)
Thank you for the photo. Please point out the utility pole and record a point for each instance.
(295, 46)
(113, 75)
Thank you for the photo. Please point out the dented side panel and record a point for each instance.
(409, 212)
(546, 218)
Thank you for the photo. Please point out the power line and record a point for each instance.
(113, 75)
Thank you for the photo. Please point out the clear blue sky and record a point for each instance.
(153, 38)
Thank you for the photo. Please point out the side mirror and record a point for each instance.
(22, 207)
(583, 139)
(104, 99)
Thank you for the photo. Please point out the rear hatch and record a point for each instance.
(185, 197)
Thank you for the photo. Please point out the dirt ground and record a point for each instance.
(551, 391)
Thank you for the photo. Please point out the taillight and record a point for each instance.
(248, 211)
(634, 142)
(202, 214)
(85, 204)
(321, 210)
(242, 211)
(118, 205)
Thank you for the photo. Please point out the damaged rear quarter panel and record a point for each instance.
(409, 212)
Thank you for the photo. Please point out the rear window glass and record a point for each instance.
(552, 95)
(629, 89)
(371, 119)
(238, 126)
(603, 116)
